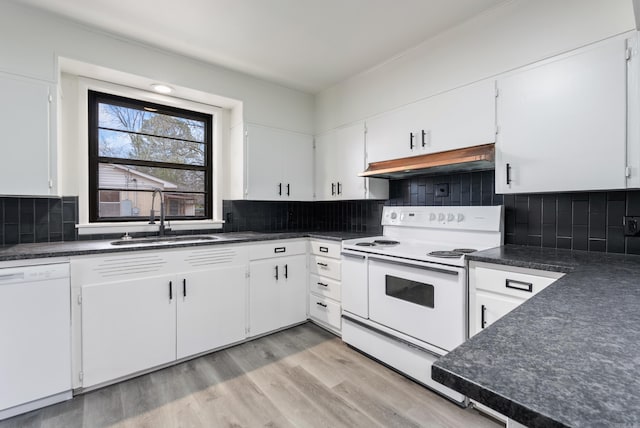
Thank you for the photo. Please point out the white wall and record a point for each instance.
(509, 36)
(31, 42)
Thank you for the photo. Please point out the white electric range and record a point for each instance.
(404, 294)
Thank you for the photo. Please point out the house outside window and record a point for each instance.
(136, 147)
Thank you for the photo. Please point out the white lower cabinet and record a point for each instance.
(325, 311)
(277, 286)
(140, 310)
(325, 284)
(211, 309)
(494, 291)
(490, 307)
(127, 326)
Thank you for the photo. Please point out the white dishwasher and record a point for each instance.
(35, 337)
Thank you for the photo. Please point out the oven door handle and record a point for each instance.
(415, 266)
(355, 256)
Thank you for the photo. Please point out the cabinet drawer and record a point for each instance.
(326, 249)
(277, 249)
(325, 287)
(323, 266)
(324, 310)
(516, 284)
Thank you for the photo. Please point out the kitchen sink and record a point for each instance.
(158, 240)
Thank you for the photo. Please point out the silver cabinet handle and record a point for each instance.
(483, 321)
(519, 285)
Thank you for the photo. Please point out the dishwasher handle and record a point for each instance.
(19, 274)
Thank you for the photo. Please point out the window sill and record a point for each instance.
(143, 226)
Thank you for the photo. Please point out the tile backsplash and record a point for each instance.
(47, 219)
(269, 216)
(590, 221)
(582, 220)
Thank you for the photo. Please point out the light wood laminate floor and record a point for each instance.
(301, 377)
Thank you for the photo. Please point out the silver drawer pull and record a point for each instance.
(519, 285)
(323, 284)
(321, 304)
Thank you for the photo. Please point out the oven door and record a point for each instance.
(424, 301)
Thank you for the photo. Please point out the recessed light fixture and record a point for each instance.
(150, 109)
(163, 89)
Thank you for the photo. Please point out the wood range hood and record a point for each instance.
(474, 158)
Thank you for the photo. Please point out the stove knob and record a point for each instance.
(450, 217)
(441, 217)
(460, 217)
(394, 215)
(432, 216)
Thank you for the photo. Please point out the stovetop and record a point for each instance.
(411, 249)
(441, 234)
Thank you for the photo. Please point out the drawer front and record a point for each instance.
(326, 249)
(323, 266)
(325, 287)
(516, 284)
(277, 249)
(324, 310)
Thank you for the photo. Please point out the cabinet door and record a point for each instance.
(349, 156)
(326, 166)
(297, 166)
(389, 136)
(489, 308)
(211, 309)
(292, 287)
(462, 117)
(264, 163)
(279, 164)
(264, 296)
(24, 120)
(127, 326)
(562, 123)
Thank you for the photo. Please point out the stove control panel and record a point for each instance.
(480, 218)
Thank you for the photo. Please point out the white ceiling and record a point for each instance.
(304, 44)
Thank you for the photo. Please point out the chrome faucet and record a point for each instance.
(152, 215)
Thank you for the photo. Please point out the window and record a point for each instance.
(136, 147)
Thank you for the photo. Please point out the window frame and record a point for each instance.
(94, 98)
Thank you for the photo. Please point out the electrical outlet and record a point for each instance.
(442, 190)
(631, 226)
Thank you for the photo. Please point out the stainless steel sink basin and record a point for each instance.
(159, 240)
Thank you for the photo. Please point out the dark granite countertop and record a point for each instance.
(570, 355)
(77, 248)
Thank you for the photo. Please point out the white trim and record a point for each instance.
(86, 84)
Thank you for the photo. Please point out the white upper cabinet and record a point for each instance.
(279, 164)
(340, 156)
(25, 120)
(562, 122)
(462, 117)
